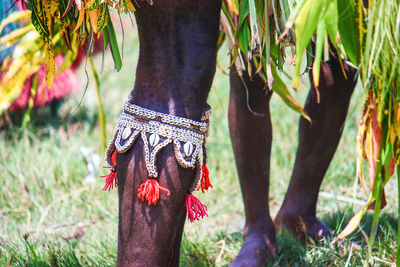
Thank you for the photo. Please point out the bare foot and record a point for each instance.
(302, 225)
(258, 246)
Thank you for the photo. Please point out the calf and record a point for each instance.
(178, 47)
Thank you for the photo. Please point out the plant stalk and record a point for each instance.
(102, 117)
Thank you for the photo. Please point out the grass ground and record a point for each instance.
(53, 212)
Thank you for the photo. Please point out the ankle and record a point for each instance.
(260, 226)
(304, 210)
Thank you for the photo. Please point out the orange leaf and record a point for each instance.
(80, 19)
(93, 19)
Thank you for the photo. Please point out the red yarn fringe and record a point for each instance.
(114, 158)
(195, 209)
(205, 179)
(150, 191)
(112, 177)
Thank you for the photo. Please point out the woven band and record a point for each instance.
(157, 130)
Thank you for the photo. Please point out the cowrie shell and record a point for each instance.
(188, 148)
(126, 133)
(154, 139)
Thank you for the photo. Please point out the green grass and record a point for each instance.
(50, 217)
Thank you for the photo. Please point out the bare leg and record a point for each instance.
(251, 137)
(174, 74)
(317, 144)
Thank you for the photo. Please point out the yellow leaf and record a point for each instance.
(233, 7)
(50, 62)
(48, 15)
(353, 223)
(11, 89)
(10, 38)
(54, 7)
(130, 6)
(20, 59)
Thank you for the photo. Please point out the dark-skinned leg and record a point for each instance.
(251, 137)
(317, 144)
(174, 74)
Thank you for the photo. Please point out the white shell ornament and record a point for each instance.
(154, 139)
(188, 148)
(126, 133)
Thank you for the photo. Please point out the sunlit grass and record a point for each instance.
(52, 214)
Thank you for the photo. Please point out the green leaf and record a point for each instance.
(114, 46)
(103, 17)
(244, 38)
(267, 48)
(106, 39)
(331, 21)
(348, 29)
(39, 25)
(243, 12)
(225, 10)
(306, 23)
(92, 4)
(292, 17)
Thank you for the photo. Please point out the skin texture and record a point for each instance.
(253, 163)
(251, 136)
(317, 145)
(174, 74)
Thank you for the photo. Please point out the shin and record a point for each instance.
(175, 70)
(318, 141)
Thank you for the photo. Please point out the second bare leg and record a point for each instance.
(251, 137)
(318, 141)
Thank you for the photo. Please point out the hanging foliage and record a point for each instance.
(365, 36)
(52, 28)
(253, 29)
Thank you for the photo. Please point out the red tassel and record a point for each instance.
(114, 158)
(205, 179)
(111, 178)
(150, 191)
(195, 209)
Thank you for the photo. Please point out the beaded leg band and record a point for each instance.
(157, 130)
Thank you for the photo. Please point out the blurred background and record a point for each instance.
(54, 213)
